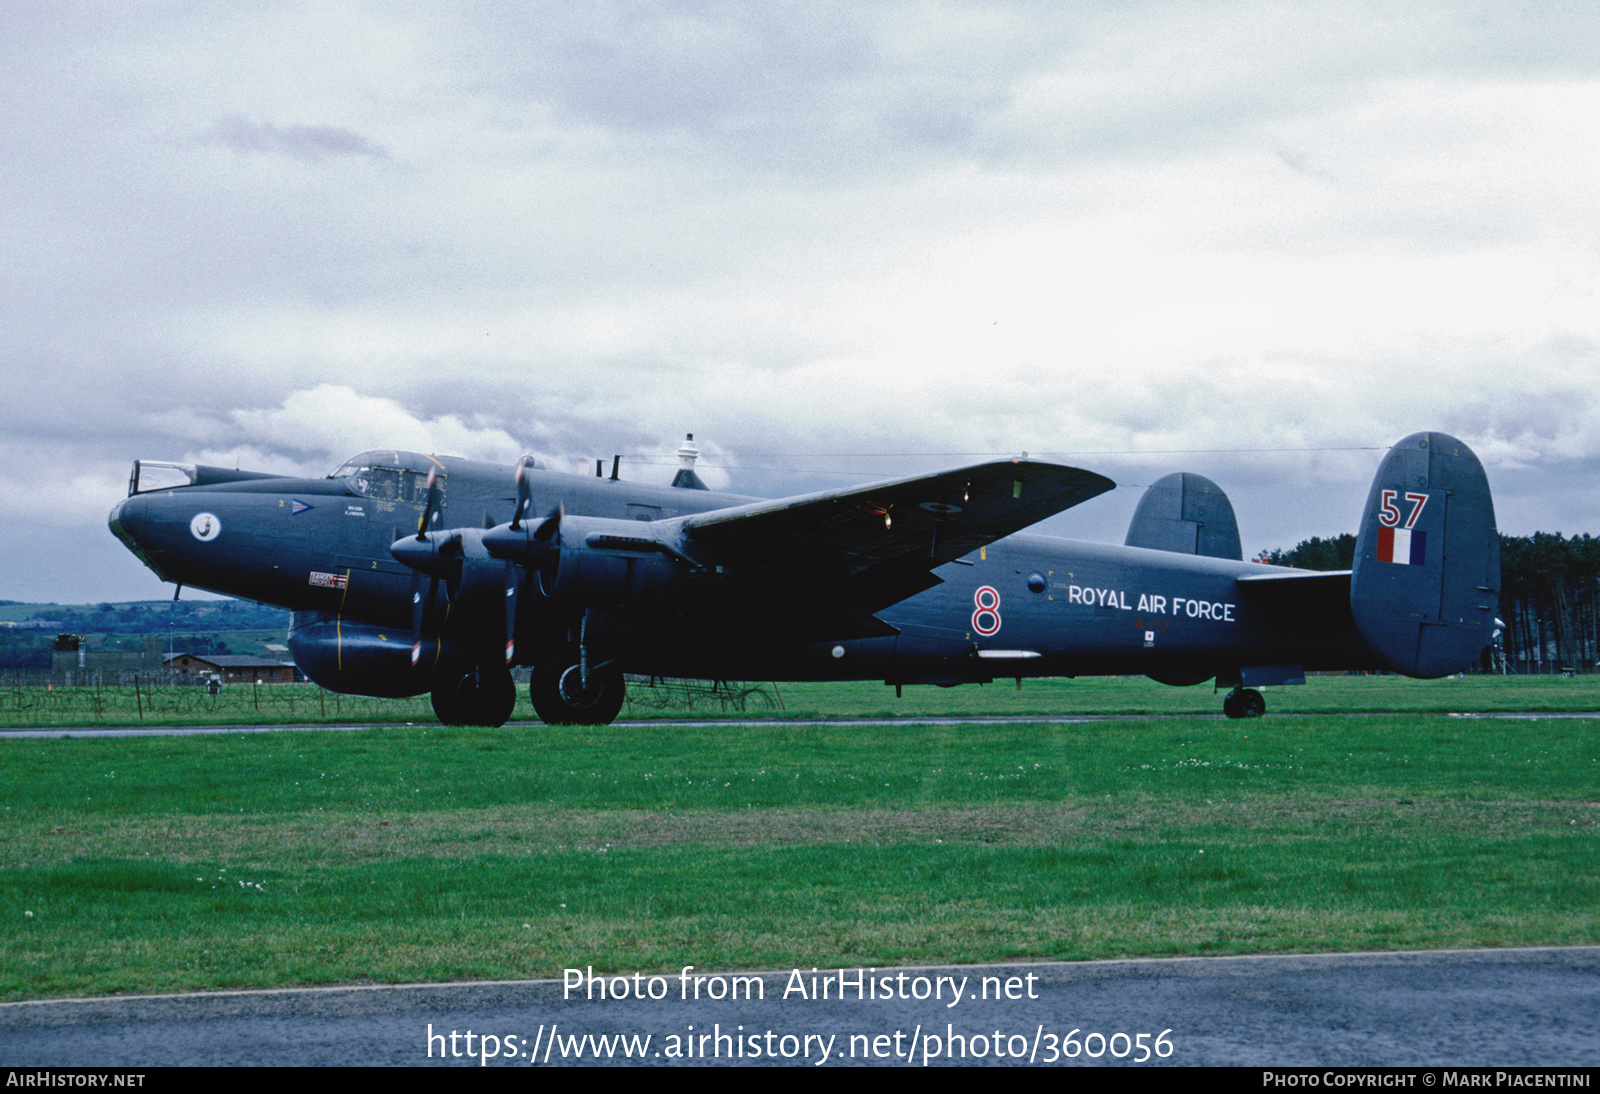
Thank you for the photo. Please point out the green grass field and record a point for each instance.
(416, 853)
(241, 704)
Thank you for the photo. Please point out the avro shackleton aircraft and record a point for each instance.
(409, 573)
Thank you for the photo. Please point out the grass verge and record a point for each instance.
(421, 853)
(242, 704)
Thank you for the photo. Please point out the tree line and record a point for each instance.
(1549, 596)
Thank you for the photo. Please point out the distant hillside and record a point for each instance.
(28, 631)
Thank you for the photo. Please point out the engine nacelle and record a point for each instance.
(360, 658)
(605, 563)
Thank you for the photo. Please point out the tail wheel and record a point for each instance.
(562, 697)
(1244, 703)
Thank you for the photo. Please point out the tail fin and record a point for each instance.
(1426, 581)
(1186, 513)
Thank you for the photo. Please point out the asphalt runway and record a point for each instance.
(1537, 1008)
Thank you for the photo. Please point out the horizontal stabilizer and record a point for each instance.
(1286, 598)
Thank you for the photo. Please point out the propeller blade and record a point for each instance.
(511, 612)
(550, 527)
(419, 608)
(439, 556)
(524, 497)
(431, 509)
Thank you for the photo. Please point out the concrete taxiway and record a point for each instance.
(1052, 719)
(1488, 1008)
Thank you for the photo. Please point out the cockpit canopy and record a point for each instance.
(389, 475)
(397, 476)
(385, 474)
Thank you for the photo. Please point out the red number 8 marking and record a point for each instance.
(986, 619)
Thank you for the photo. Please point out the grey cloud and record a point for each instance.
(814, 88)
(694, 66)
(841, 90)
(312, 143)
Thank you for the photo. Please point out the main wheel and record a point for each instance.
(1244, 703)
(560, 697)
(483, 697)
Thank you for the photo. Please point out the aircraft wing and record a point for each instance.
(883, 540)
(931, 518)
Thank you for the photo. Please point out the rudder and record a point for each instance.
(1426, 581)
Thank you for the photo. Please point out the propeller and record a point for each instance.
(441, 555)
(515, 545)
(436, 554)
(536, 546)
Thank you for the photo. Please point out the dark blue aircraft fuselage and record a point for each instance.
(669, 581)
(1024, 606)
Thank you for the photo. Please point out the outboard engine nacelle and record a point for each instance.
(593, 561)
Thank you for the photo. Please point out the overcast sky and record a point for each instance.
(1261, 241)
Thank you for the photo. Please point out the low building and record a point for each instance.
(233, 668)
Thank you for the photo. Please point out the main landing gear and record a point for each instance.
(562, 696)
(482, 697)
(1244, 703)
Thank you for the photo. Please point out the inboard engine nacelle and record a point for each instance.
(595, 561)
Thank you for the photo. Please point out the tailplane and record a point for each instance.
(1426, 581)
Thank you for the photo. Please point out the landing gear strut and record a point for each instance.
(561, 696)
(482, 697)
(1244, 703)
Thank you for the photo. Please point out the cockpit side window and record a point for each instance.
(389, 476)
(356, 474)
(383, 483)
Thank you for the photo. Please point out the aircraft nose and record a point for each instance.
(130, 521)
(124, 514)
